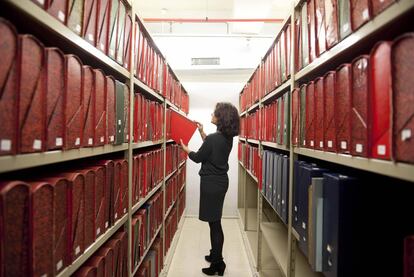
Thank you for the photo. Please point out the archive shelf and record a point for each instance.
(253, 107)
(277, 92)
(67, 38)
(367, 32)
(253, 141)
(182, 187)
(276, 236)
(242, 139)
(273, 209)
(174, 243)
(170, 209)
(146, 250)
(145, 199)
(275, 145)
(94, 247)
(252, 176)
(23, 161)
(146, 144)
(388, 168)
(147, 90)
(243, 113)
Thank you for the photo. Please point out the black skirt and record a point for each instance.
(213, 189)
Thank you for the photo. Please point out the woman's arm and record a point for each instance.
(202, 154)
(200, 130)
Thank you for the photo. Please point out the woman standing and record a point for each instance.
(214, 155)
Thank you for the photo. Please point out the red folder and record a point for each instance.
(99, 113)
(75, 15)
(58, 9)
(124, 186)
(100, 200)
(320, 27)
(115, 245)
(73, 103)
(110, 109)
(288, 50)
(117, 196)
(108, 191)
(128, 42)
(121, 31)
(310, 115)
(319, 114)
(31, 105)
(126, 112)
(86, 271)
(42, 214)
(312, 30)
(137, 44)
(90, 17)
(8, 88)
(14, 233)
(54, 90)
(123, 259)
(360, 103)
(330, 113)
(408, 256)
(181, 128)
(135, 180)
(360, 13)
(402, 83)
(89, 206)
(331, 17)
(76, 214)
(88, 88)
(113, 28)
(108, 254)
(343, 96)
(381, 96)
(97, 262)
(379, 5)
(102, 28)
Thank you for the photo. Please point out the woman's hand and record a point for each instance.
(185, 148)
(199, 126)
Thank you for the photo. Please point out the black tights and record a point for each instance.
(217, 240)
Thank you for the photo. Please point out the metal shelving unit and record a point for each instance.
(277, 92)
(388, 168)
(275, 145)
(146, 144)
(253, 141)
(243, 113)
(24, 161)
(253, 107)
(91, 249)
(147, 90)
(242, 139)
(145, 199)
(276, 237)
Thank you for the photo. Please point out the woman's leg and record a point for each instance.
(217, 240)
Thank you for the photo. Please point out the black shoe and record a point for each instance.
(214, 268)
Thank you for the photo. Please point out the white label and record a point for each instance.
(343, 145)
(283, 202)
(329, 248)
(311, 143)
(78, 28)
(405, 134)
(61, 16)
(102, 139)
(90, 37)
(44, 275)
(363, 64)
(59, 141)
(41, 2)
(329, 263)
(37, 144)
(126, 64)
(278, 197)
(304, 142)
(295, 208)
(381, 149)
(365, 14)
(116, 215)
(77, 250)
(111, 138)
(119, 122)
(359, 148)
(77, 142)
(330, 144)
(90, 141)
(127, 136)
(124, 210)
(119, 131)
(102, 46)
(59, 265)
(304, 225)
(106, 224)
(303, 238)
(345, 28)
(111, 52)
(5, 145)
(98, 231)
(321, 144)
(296, 218)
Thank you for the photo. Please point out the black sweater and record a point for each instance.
(213, 154)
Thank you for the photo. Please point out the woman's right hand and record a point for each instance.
(199, 126)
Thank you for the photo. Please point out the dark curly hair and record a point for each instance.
(228, 121)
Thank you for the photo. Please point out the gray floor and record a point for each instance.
(194, 243)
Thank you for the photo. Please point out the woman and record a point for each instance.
(214, 156)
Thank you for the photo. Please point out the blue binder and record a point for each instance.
(285, 189)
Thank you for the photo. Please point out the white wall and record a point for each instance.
(204, 96)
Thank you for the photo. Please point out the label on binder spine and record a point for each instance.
(59, 141)
(405, 134)
(381, 149)
(5, 145)
(343, 145)
(37, 144)
(359, 148)
(59, 265)
(61, 16)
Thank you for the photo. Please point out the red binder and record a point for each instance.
(110, 109)
(113, 28)
(128, 42)
(381, 96)
(90, 17)
(97, 262)
(88, 88)
(108, 167)
(100, 200)
(76, 214)
(343, 96)
(86, 271)
(329, 112)
(108, 254)
(54, 91)
(75, 15)
(320, 27)
(61, 222)
(409, 256)
(89, 206)
(310, 115)
(99, 113)
(123, 259)
(312, 30)
(58, 9)
(135, 180)
(121, 31)
(73, 103)
(102, 27)
(319, 114)
(31, 105)
(379, 5)
(126, 112)
(181, 128)
(360, 13)
(124, 186)
(117, 195)
(115, 245)
(42, 215)
(331, 16)
(360, 104)
(288, 51)
(298, 43)
(8, 88)
(14, 233)
(402, 83)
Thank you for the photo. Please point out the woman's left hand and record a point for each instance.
(185, 148)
